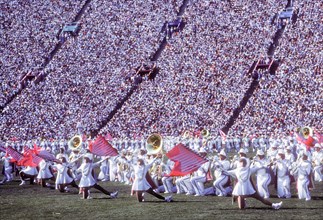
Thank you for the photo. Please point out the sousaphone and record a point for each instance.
(75, 143)
(154, 144)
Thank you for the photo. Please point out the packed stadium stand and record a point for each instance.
(202, 68)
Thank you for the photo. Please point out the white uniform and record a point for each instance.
(283, 179)
(200, 178)
(32, 171)
(44, 171)
(62, 176)
(140, 182)
(303, 171)
(7, 169)
(243, 185)
(221, 178)
(317, 159)
(87, 178)
(104, 169)
(113, 168)
(167, 180)
(263, 177)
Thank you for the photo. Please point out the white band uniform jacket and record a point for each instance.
(87, 179)
(62, 175)
(140, 182)
(243, 185)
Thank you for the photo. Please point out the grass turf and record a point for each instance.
(35, 202)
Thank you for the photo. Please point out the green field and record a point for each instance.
(35, 202)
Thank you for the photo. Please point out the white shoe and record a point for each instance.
(114, 194)
(169, 199)
(277, 205)
(197, 195)
(23, 182)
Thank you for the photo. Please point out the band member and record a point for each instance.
(64, 177)
(141, 184)
(7, 169)
(317, 160)
(62, 153)
(304, 171)
(184, 185)
(263, 174)
(75, 162)
(28, 173)
(289, 154)
(44, 172)
(242, 154)
(282, 167)
(221, 180)
(243, 188)
(167, 180)
(200, 175)
(87, 180)
(104, 169)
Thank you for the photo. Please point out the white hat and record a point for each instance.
(317, 145)
(242, 151)
(260, 152)
(222, 152)
(202, 150)
(281, 151)
(289, 147)
(88, 155)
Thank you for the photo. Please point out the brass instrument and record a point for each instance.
(205, 133)
(187, 134)
(154, 144)
(306, 132)
(75, 143)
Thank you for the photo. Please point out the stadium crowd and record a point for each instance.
(201, 79)
(293, 96)
(28, 33)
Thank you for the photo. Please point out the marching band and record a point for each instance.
(277, 161)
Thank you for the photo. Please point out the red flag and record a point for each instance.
(186, 161)
(16, 156)
(101, 147)
(20, 159)
(34, 158)
(47, 156)
(36, 149)
(309, 142)
(27, 160)
(223, 135)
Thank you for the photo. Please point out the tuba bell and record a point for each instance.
(154, 144)
(306, 132)
(75, 142)
(205, 133)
